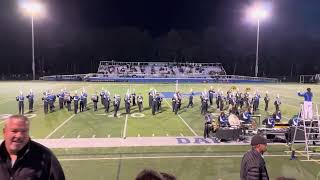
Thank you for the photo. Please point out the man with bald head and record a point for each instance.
(23, 159)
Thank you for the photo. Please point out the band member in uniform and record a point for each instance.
(81, 102)
(154, 104)
(191, 99)
(204, 104)
(178, 98)
(207, 125)
(220, 100)
(85, 99)
(116, 104)
(159, 102)
(20, 100)
(45, 102)
(173, 103)
(232, 103)
(246, 116)
(133, 98)
(266, 101)
(256, 99)
(106, 98)
(127, 101)
(75, 102)
(241, 100)
(223, 120)
(246, 97)
(211, 94)
(102, 95)
(65, 91)
(295, 121)
(150, 95)
(61, 99)
(227, 99)
(68, 99)
(140, 102)
(238, 98)
(277, 103)
(30, 97)
(270, 122)
(51, 98)
(278, 116)
(217, 99)
(95, 100)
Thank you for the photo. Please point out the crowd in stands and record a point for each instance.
(161, 69)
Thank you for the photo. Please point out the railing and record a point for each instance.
(212, 78)
(103, 66)
(75, 77)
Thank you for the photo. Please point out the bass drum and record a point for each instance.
(234, 121)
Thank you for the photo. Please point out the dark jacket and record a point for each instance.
(34, 162)
(253, 167)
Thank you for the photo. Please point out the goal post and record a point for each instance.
(309, 78)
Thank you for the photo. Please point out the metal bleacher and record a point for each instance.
(154, 72)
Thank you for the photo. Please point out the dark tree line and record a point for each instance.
(76, 50)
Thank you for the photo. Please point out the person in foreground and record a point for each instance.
(253, 166)
(23, 159)
(150, 174)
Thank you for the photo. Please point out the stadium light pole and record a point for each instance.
(257, 13)
(32, 8)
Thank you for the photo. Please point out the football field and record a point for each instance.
(186, 162)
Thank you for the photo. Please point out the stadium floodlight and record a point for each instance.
(33, 8)
(257, 13)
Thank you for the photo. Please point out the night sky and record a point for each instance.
(72, 33)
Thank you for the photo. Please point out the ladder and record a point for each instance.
(311, 128)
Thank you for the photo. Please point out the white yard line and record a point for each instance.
(125, 127)
(183, 120)
(159, 157)
(64, 122)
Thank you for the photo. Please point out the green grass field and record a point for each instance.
(221, 162)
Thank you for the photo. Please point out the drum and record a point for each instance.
(234, 121)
